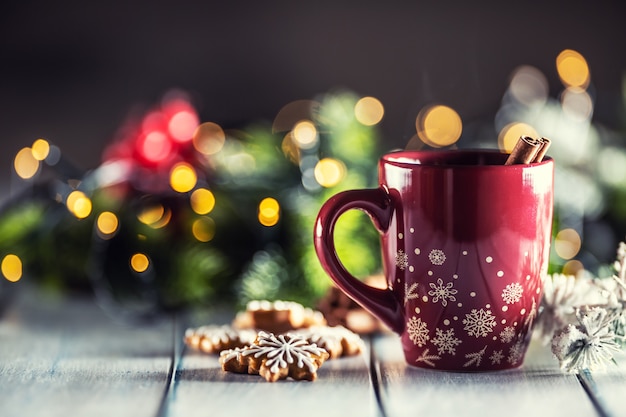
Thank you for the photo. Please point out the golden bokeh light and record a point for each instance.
(79, 204)
(439, 126)
(203, 229)
(567, 243)
(139, 262)
(289, 148)
(202, 201)
(156, 216)
(107, 224)
(209, 138)
(573, 267)
(11, 267)
(572, 69)
(41, 149)
(329, 172)
(269, 211)
(25, 163)
(151, 214)
(305, 134)
(296, 110)
(183, 177)
(164, 220)
(510, 134)
(369, 111)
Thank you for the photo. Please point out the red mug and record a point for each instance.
(465, 243)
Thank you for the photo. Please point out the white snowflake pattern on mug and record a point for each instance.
(445, 341)
(442, 292)
(496, 357)
(512, 293)
(418, 331)
(437, 257)
(410, 292)
(427, 359)
(475, 358)
(507, 335)
(402, 259)
(479, 322)
(532, 315)
(515, 353)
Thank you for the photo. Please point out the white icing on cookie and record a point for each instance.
(283, 350)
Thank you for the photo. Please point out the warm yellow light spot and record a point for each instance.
(573, 267)
(269, 207)
(203, 229)
(151, 214)
(139, 262)
(439, 126)
(269, 211)
(209, 138)
(79, 204)
(41, 149)
(510, 134)
(573, 69)
(107, 223)
(567, 243)
(155, 216)
(183, 177)
(202, 201)
(164, 220)
(369, 111)
(26, 165)
(289, 148)
(268, 221)
(329, 172)
(289, 115)
(305, 134)
(11, 268)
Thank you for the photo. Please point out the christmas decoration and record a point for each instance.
(182, 213)
(584, 317)
(588, 345)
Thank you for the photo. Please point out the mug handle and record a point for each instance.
(382, 303)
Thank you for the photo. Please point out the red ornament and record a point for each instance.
(153, 146)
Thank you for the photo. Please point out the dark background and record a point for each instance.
(71, 71)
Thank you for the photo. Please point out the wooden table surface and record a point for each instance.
(63, 356)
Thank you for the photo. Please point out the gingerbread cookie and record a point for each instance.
(276, 357)
(337, 340)
(213, 338)
(232, 360)
(339, 309)
(277, 316)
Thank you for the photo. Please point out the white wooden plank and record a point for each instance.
(609, 387)
(538, 388)
(66, 357)
(201, 388)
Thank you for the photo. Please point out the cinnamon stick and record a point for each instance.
(528, 150)
(545, 144)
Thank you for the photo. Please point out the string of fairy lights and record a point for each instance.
(166, 132)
